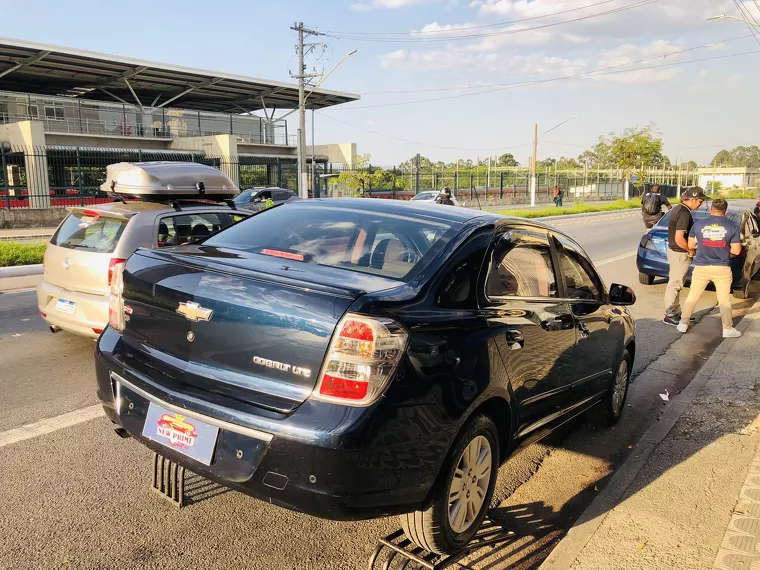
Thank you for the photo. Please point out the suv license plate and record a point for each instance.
(184, 435)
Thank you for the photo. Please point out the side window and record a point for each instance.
(185, 228)
(264, 195)
(578, 282)
(521, 266)
(459, 285)
(237, 218)
(280, 195)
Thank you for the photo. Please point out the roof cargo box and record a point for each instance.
(158, 181)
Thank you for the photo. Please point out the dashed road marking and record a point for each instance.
(50, 425)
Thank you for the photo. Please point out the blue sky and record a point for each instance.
(699, 107)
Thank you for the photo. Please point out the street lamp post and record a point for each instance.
(725, 16)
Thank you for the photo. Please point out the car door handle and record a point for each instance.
(558, 323)
(515, 339)
(583, 329)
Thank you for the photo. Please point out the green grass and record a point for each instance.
(577, 208)
(15, 253)
(736, 194)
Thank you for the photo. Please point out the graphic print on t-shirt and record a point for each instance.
(714, 235)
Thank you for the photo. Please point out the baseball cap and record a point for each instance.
(695, 192)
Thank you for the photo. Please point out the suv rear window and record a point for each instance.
(357, 240)
(90, 232)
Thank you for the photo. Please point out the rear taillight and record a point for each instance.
(115, 300)
(111, 265)
(646, 242)
(361, 360)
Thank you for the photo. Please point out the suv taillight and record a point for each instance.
(363, 355)
(115, 300)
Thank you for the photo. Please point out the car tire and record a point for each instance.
(442, 528)
(610, 409)
(645, 279)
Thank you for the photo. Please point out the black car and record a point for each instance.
(360, 358)
(256, 198)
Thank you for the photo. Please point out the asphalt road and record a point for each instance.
(79, 496)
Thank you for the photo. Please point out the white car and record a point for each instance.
(430, 196)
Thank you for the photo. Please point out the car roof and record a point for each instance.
(399, 207)
(140, 207)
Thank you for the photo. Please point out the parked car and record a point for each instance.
(255, 199)
(430, 196)
(361, 358)
(652, 260)
(92, 241)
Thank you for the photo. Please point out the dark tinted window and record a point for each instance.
(357, 240)
(578, 280)
(281, 195)
(89, 231)
(458, 287)
(521, 266)
(184, 228)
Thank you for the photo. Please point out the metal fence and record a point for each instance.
(493, 183)
(50, 177)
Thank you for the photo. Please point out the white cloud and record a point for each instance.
(387, 4)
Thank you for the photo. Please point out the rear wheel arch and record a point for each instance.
(631, 348)
(499, 410)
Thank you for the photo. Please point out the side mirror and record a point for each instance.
(621, 295)
(257, 201)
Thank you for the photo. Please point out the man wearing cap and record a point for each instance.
(716, 239)
(679, 256)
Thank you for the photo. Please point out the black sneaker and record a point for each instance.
(672, 321)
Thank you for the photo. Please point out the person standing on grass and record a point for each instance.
(716, 239)
(558, 194)
(679, 257)
(651, 206)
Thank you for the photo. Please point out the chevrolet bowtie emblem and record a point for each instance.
(194, 312)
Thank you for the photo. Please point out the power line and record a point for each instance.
(464, 28)
(594, 73)
(434, 89)
(417, 142)
(501, 33)
(752, 29)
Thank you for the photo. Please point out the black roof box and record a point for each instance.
(162, 181)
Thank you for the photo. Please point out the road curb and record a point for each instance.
(21, 270)
(571, 546)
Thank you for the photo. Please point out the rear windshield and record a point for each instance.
(357, 240)
(89, 232)
(701, 214)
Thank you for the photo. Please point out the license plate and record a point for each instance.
(65, 306)
(184, 435)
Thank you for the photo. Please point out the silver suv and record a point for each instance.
(80, 258)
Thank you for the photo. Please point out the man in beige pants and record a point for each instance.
(679, 258)
(716, 239)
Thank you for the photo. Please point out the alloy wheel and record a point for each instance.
(618, 390)
(469, 485)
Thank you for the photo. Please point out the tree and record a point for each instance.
(723, 158)
(747, 156)
(507, 159)
(691, 165)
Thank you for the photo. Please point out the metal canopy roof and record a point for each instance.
(31, 67)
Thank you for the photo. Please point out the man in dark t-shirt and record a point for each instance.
(715, 240)
(651, 206)
(679, 257)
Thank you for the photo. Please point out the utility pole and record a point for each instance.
(533, 180)
(303, 190)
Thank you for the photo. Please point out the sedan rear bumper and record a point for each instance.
(364, 470)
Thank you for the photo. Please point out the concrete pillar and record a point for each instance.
(627, 189)
(533, 185)
(223, 147)
(30, 136)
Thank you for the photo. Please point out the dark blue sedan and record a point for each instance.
(362, 358)
(652, 260)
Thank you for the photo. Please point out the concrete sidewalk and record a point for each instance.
(689, 495)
